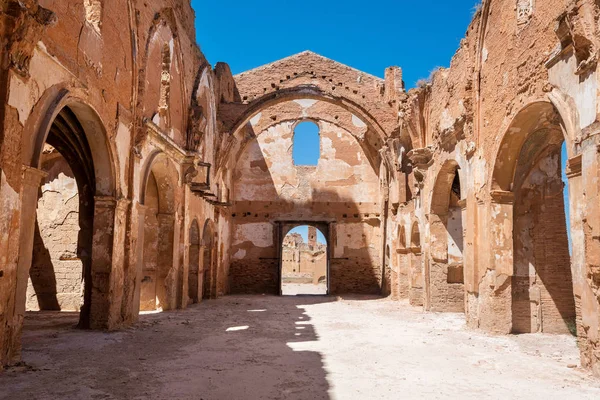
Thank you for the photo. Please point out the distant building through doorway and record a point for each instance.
(304, 262)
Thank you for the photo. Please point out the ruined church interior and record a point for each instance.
(160, 239)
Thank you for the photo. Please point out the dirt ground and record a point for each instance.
(294, 289)
(261, 347)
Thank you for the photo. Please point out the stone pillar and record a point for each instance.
(117, 276)
(416, 278)
(139, 259)
(587, 281)
(101, 306)
(32, 179)
(201, 293)
(495, 289)
(577, 215)
(468, 261)
(181, 267)
(166, 289)
(404, 273)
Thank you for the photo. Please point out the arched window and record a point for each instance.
(307, 144)
(401, 237)
(415, 236)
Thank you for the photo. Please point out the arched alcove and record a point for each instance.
(528, 178)
(446, 268)
(158, 283)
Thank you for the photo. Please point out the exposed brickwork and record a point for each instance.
(448, 194)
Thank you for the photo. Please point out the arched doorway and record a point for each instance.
(60, 277)
(209, 264)
(71, 153)
(528, 176)
(446, 270)
(194, 294)
(158, 290)
(304, 262)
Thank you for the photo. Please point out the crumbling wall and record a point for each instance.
(89, 56)
(522, 66)
(56, 274)
(343, 187)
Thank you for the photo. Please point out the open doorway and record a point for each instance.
(60, 273)
(304, 262)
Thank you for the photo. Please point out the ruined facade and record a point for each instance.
(303, 262)
(135, 176)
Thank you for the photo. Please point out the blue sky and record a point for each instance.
(418, 36)
(303, 230)
(415, 35)
(564, 158)
(307, 145)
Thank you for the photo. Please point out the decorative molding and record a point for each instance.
(502, 197)
(32, 176)
(105, 202)
(574, 167)
(163, 142)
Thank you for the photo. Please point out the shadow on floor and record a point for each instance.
(234, 347)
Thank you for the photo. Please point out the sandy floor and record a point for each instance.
(294, 289)
(293, 348)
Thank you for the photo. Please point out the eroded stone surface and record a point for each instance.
(448, 194)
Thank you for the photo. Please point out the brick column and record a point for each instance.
(102, 264)
(139, 260)
(32, 179)
(586, 280)
(495, 283)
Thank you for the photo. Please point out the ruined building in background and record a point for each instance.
(303, 262)
(159, 180)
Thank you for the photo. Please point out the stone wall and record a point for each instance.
(56, 275)
(269, 189)
(142, 101)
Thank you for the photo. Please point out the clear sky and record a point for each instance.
(307, 145)
(370, 36)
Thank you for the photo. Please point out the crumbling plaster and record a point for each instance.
(228, 141)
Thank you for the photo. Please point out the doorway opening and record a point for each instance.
(304, 262)
(60, 274)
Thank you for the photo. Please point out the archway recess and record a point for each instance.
(159, 280)
(71, 128)
(445, 272)
(528, 196)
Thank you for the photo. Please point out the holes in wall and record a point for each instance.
(307, 144)
(456, 274)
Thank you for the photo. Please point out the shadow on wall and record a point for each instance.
(354, 230)
(42, 274)
(265, 350)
